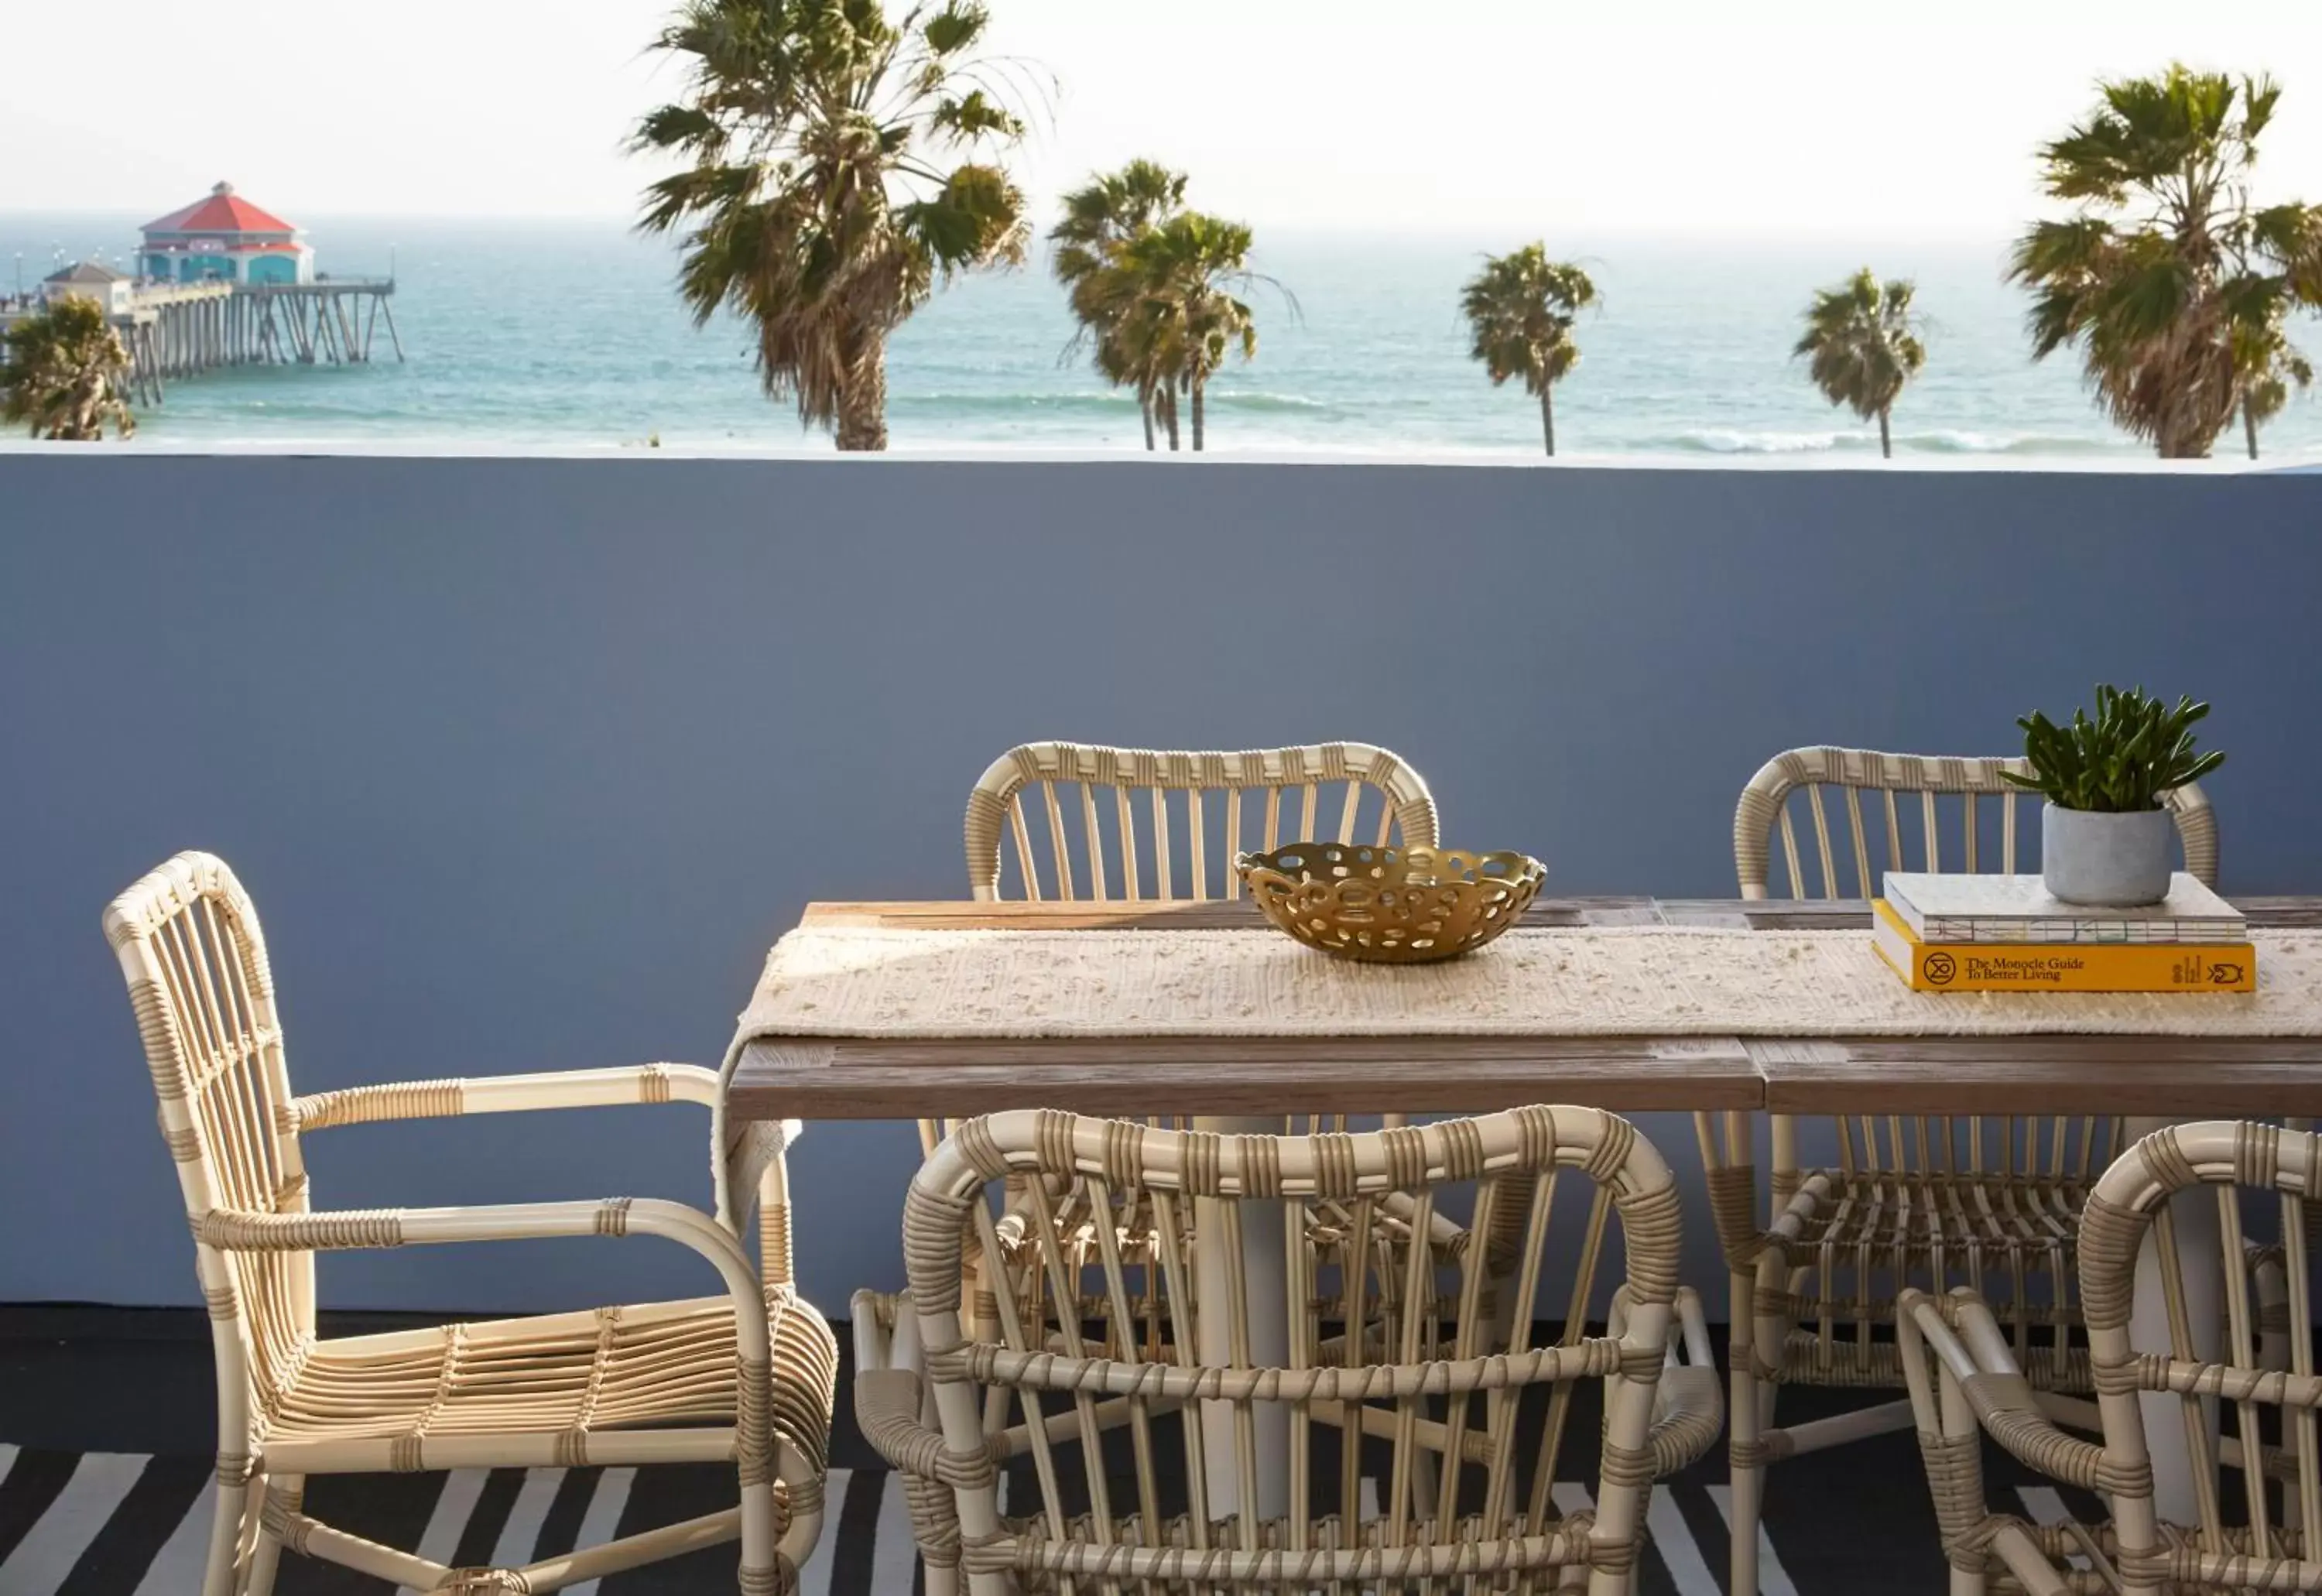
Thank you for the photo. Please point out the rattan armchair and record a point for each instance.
(1992, 1203)
(1384, 1344)
(2249, 1529)
(743, 1377)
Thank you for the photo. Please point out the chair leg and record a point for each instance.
(762, 1573)
(1644, 1517)
(1962, 1431)
(287, 1493)
(1745, 1453)
(223, 1573)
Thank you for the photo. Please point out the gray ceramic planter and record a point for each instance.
(2108, 861)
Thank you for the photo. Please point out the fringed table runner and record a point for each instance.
(1624, 981)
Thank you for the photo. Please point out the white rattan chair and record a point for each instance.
(743, 1378)
(1154, 849)
(1157, 849)
(2252, 1528)
(1385, 1343)
(1375, 796)
(1988, 1202)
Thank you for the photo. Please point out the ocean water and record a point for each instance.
(569, 335)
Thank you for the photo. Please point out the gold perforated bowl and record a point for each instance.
(1391, 906)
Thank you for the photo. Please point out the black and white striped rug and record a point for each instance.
(126, 1524)
(106, 1417)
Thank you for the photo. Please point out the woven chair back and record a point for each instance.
(1066, 821)
(2253, 1527)
(1386, 1341)
(190, 948)
(1990, 1192)
(1864, 813)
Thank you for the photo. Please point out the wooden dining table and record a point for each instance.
(812, 1077)
(1242, 1081)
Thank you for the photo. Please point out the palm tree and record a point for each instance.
(1178, 319)
(1521, 308)
(1101, 218)
(2167, 278)
(2267, 364)
(62, 374)
(839, 162)
(1862, 345)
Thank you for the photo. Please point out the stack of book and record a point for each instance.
(2003, 934)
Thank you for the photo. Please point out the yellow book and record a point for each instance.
(2059, 967)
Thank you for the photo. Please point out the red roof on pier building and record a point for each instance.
(221, 211)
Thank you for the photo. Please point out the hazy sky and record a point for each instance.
(1478, 116)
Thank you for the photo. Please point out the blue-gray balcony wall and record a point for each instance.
(526, 761)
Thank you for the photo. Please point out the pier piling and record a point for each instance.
(177, 330)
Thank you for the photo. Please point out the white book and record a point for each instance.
(2018, 908)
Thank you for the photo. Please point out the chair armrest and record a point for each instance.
(1688, 1415)
(1804, 1201)
(889, 1392)
(1971, 1352)
(503, 1094)
(243, 1230)
(890, 1405)
(1778, 1248)
(1734, 1213)
(887, 1410)
(1689, 1402)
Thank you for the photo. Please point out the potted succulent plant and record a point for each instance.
(2105, 833)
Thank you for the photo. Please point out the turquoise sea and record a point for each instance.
(569, 335)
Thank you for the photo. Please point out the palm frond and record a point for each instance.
(958, 27)
(823, 196)
(1861, 343)
(62, 374)
(1521, 309)
(2171, 284)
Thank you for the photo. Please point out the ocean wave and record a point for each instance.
(1247, 402)
(1731, 441)
(1973, 442)
(1941, 441)
(1085, 403)
(1264, 402)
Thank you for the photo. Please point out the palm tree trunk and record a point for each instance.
(1197, 415)
(1144, 414)
(862, 404)
(1548, 419)
(2184, 435)
(1169, 415)
(1885, 440)
(2249, 427)
(85, 424)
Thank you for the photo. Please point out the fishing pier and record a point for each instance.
(222, 282)
(180, 329)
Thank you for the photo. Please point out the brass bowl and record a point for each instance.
(1391, 906)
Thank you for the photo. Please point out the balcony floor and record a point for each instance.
(105, 1424)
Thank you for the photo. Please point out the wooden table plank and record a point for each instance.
(1846, 914)
(865, 1078)
(2174, 1077)
(2282, 914)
